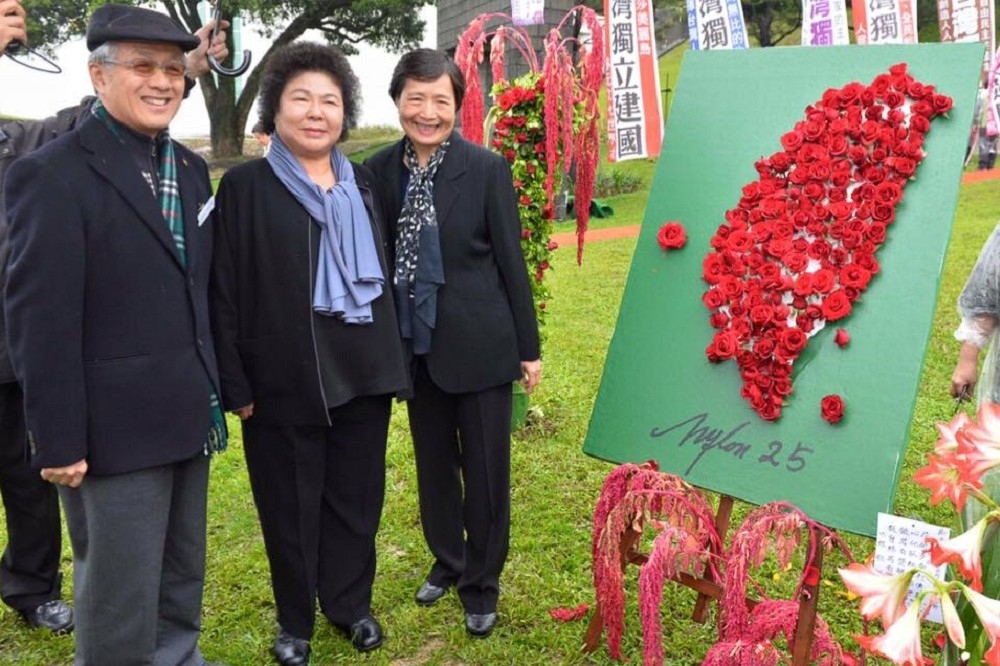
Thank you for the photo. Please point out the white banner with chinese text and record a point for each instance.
(824, 23)
(527, 12)
(716, 24)
(885, 21)
(635, 112)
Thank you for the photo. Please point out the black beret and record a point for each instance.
(118, 23)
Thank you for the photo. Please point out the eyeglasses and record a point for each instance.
(146, 68)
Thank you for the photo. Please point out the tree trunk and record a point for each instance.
(227, 121)
(764, 20)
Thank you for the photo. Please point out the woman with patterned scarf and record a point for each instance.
(308, 346)
(468, 325)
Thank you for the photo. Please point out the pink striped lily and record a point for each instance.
(882, 595)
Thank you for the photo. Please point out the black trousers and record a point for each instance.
(319, 494)
(461, 444)
(29, 569)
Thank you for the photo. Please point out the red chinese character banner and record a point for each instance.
(635, 110)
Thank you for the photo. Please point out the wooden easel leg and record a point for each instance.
(808, 601)
(628, 554)
(722, 516)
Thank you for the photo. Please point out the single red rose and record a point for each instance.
(724, 345)
(672, 236)
(832, 408)
(792, 141)
(842, 338)
(823, 281)
(764, 347)
(836, 306)
(888, 193)
(803, 284)
(712, 299)
(761, 314)
(919, 124)
(793, 339)
(942, 104)
(526, 234)
(719, 320)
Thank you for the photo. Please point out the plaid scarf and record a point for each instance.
(169, 195)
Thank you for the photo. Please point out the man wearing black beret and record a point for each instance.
(30, 581)
(107, 323)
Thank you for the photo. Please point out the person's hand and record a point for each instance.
(71, 475)
(197, 60)
(244, 412)
(531, 374)
(12, 23)
(963, 380)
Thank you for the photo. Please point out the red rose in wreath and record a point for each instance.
(832, 408)
(672, 236)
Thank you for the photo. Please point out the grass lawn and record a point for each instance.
(555, 487)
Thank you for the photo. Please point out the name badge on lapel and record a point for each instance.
(205, 211)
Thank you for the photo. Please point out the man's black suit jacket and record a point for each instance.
(486, 322)
(108, 330)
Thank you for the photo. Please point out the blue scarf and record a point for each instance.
(348, 274)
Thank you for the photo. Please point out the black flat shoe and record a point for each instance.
(429, 593)
(365, 634)
(291, 651)
(480, 625)
(55, 615)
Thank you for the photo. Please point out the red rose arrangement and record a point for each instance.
(799, 248)
(672, 236)
(518, 133)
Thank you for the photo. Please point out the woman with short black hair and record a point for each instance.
(308, 346)
(468, 323)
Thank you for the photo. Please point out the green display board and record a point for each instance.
(661, 399)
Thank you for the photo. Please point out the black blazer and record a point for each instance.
(274, 351)
(108, 331)
(486, 322)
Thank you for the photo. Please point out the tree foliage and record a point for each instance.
(392, 24)
(52, 22)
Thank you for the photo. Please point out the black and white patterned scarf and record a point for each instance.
(418, 272)
(418, 210)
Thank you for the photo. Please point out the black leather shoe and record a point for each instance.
(480, 626)
(55, 615)
(429, 593)
(365, 634)
(291, 651)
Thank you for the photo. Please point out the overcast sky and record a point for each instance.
(30, 94)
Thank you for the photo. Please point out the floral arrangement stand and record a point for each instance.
(545, 123)
(688, 549)
(661, 395)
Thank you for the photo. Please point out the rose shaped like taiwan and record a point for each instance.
(832, 408)
(799, 248)
(672, 236)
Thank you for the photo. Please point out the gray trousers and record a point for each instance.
(139, 565)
